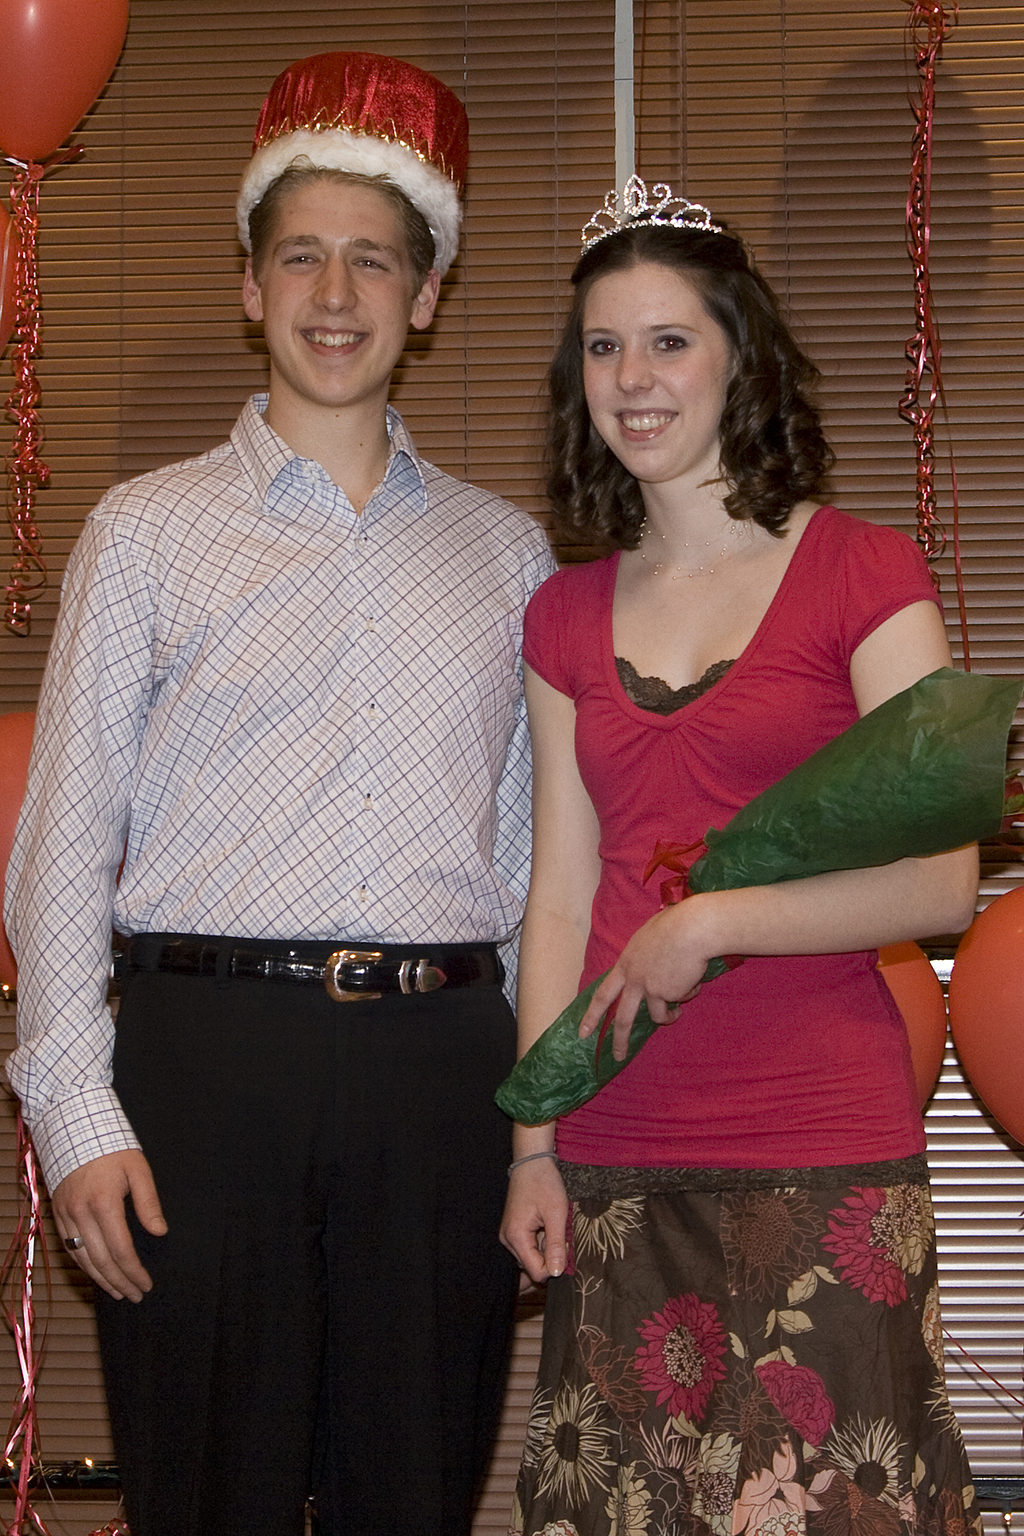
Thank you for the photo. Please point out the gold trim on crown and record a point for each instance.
(338, 123)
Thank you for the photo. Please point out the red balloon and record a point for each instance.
(56, 57)
(986, 1008)
(15, 746)
(917, 990)
(8, 253)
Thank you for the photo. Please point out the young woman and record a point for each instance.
(742, 1327)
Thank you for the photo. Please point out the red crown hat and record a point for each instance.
(368, 113)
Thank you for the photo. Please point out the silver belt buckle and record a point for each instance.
(427, 977)
(332, 973)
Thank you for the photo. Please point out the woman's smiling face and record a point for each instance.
(656, 368)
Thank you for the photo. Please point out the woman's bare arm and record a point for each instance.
(564, 878)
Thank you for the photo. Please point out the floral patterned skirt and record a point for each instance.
(754, 1352)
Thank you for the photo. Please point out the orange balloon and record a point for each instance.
(8, 254)
(917, 990)
(15, 746)
(56, 57)
(986, 1008)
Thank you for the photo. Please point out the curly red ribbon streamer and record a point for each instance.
(21, 1450)
(978, 1366)
(928, 25)
(16, 1287)
(25, 469)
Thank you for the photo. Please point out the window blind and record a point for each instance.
(795, 127)
(792, 123)
(148, 358)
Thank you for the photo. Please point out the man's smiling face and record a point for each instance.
(337, 293)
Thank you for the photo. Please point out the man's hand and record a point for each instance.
(89, 1204)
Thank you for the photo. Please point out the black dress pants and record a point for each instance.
(331, 1306)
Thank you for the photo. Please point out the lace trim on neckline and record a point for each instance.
(655, 695)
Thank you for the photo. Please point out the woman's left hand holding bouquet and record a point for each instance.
(661, 965)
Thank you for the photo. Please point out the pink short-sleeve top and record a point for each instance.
(798, 1061)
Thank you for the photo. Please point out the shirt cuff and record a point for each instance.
(78, 1130)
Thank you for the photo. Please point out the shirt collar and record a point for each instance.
(266, 455)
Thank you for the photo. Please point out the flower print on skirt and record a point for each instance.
(745, 1353)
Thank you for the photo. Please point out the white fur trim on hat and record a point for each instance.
(429, 190)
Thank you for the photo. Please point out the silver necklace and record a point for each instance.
(700, 570)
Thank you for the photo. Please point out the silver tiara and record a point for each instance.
(637, 208)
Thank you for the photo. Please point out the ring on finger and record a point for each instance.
(72, 1244)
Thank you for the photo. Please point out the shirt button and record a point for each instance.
(367, 802)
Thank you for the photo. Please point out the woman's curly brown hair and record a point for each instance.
(774, 452)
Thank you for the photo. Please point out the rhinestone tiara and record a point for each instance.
(661, 207)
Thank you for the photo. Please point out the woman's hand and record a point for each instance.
(536, 1211)
(662, 965)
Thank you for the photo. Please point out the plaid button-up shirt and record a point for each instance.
(293, 722)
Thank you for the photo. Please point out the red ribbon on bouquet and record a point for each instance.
(680, 858)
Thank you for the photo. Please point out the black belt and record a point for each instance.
(349, 974)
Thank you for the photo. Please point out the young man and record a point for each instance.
(285, 687)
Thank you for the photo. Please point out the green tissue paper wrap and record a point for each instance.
(922, 773)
